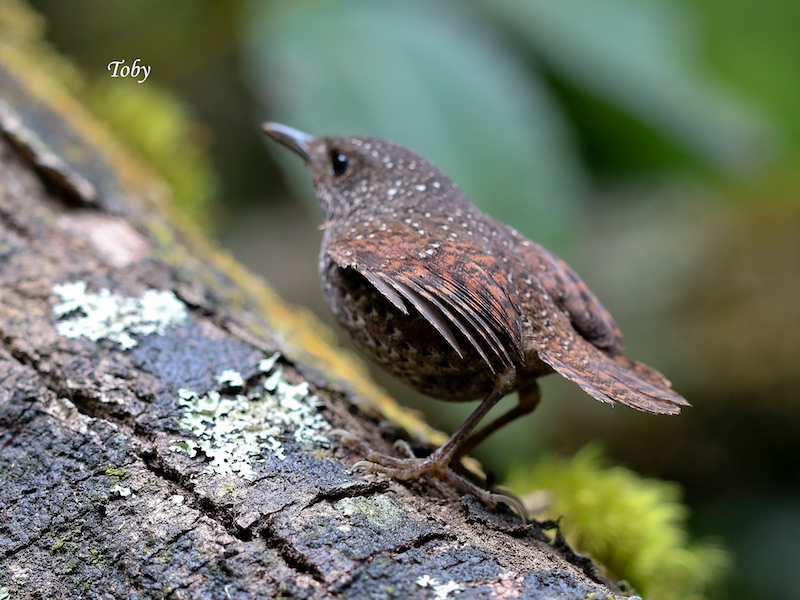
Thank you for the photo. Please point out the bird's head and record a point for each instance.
(352, 174)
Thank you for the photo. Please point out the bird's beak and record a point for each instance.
(294, 140)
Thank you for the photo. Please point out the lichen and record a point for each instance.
(231, 378)
(104, 315)
(379, 510)
(440, 590)
(236, 430)
(122, 491)
(266, 365)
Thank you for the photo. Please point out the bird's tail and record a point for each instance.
(615, 379)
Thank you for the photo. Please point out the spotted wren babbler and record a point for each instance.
(452, 302)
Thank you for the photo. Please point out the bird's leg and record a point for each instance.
(438, 462)
(529, 398)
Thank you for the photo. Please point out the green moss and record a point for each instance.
(70, 567)
(634, 526)
(59, 543)
(94, 557)
(157, 127)
(120, 474)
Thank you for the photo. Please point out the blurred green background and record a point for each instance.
(655, 145)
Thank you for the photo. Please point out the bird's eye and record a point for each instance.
(339, 163)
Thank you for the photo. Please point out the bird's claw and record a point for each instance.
(398, 468)
(412, 467)
(403, 447)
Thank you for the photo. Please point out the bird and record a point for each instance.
(454, 303)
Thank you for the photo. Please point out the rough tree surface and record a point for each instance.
(164, 422)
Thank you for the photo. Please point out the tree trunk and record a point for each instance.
(154, 443)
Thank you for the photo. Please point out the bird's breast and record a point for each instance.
(405, 345)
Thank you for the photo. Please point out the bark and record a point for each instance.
(148, 450)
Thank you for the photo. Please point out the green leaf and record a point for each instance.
(640, 55)
(433, 77)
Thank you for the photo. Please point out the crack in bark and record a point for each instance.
(356, 489)
(84, 403)
(59, 179)
(290, 555)
(419, 542)
(154, 463)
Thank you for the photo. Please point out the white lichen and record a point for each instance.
(120, 490)
(266, 364)
(231, 378)
(441, 590)
(236, 430)
(103, 315)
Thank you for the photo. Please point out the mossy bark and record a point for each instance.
(96, 497)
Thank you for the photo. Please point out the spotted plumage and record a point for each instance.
(451, 301)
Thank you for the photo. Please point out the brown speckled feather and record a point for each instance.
(452, 285)
(581, 341)
(572, 295)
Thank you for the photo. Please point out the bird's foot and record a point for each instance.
(412, 467)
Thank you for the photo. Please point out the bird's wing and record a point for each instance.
(579, 339)
(451, 282)
(589, 318)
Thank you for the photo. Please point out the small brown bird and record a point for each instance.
(450, 301)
